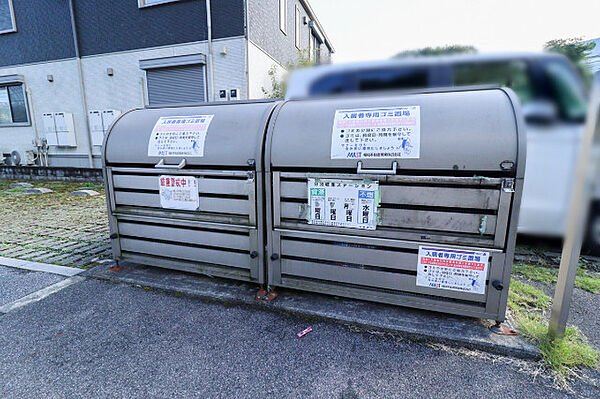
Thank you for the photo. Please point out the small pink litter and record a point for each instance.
(304, 332)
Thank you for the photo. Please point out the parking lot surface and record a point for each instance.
(98, 339)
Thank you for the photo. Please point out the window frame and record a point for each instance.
(26, 103)
(142, 3)
(283, 5)
(12, 17)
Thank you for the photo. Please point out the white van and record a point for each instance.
(553, 97)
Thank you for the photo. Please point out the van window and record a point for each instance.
(567, 91)
(512, 74)
(331, 84)
(389, 79)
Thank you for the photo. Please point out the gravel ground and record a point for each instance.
(98, 339)
(56, 227)
(15, 283)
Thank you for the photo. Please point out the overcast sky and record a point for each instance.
(375, 29)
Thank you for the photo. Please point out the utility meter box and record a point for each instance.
(407, 199)
(185, 188)
(100, 121)
(59, 129)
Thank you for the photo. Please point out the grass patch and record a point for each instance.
(564, 355)
(524, 297)
(548, 275)
(587, 281)
(15, 190)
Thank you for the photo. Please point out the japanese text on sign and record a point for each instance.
(343, 203)
(392, 132)
(452, 269)
(178, 192)
(179, 136)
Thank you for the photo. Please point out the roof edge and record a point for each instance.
(313, 16)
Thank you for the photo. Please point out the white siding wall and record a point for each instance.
(259, 63)
(122, 91)
(60, 95)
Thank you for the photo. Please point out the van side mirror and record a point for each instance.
(540, 112)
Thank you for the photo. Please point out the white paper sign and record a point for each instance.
(392, 132)
(179, 136)
(343, 203)
(452, 269)
(178, 192)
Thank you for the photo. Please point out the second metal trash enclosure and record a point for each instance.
(405, 199)
(184, 188)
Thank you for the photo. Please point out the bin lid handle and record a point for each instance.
(392, 171)
(161, 164)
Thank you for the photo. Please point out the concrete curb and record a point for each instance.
(39, 267)
(413, 324)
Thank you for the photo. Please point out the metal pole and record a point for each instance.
(211, 73)
(577, 217)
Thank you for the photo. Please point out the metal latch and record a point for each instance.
(361, 170)
(508, 185)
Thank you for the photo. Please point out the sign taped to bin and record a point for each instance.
(452, 269)
(174, 136)
(178, 192)
(343, 203)
(391, 132)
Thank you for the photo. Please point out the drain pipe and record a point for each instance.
(81, 84)
(211, 73)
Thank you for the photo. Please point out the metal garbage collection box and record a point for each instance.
(184, 188)
(405, 199)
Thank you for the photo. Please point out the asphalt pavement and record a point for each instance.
(98, 339)
(16, 283)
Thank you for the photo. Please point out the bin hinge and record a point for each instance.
(508, 185)
(113, 236)
(250, 177)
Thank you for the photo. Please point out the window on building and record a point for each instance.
(297, 24)
(148, 3)
(283, 15)
(13, 108)
(7, 17)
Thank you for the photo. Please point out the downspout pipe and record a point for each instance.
(81, 84)
(211, 73)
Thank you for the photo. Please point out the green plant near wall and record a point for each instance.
(279, 81)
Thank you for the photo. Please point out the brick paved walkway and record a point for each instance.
(56, 227)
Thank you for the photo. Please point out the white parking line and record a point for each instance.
(39, 267)
(41, 294)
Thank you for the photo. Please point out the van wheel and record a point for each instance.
(592, 238)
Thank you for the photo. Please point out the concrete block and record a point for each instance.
(38, 190)
(84, 193)
(21, 185)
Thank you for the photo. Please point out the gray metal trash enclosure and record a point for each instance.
(184, 188)
(405, 199)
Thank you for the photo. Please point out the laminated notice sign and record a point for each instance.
(343, 203)
(452, 269)
(391, 132)
(174, 136)
(178, 192)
